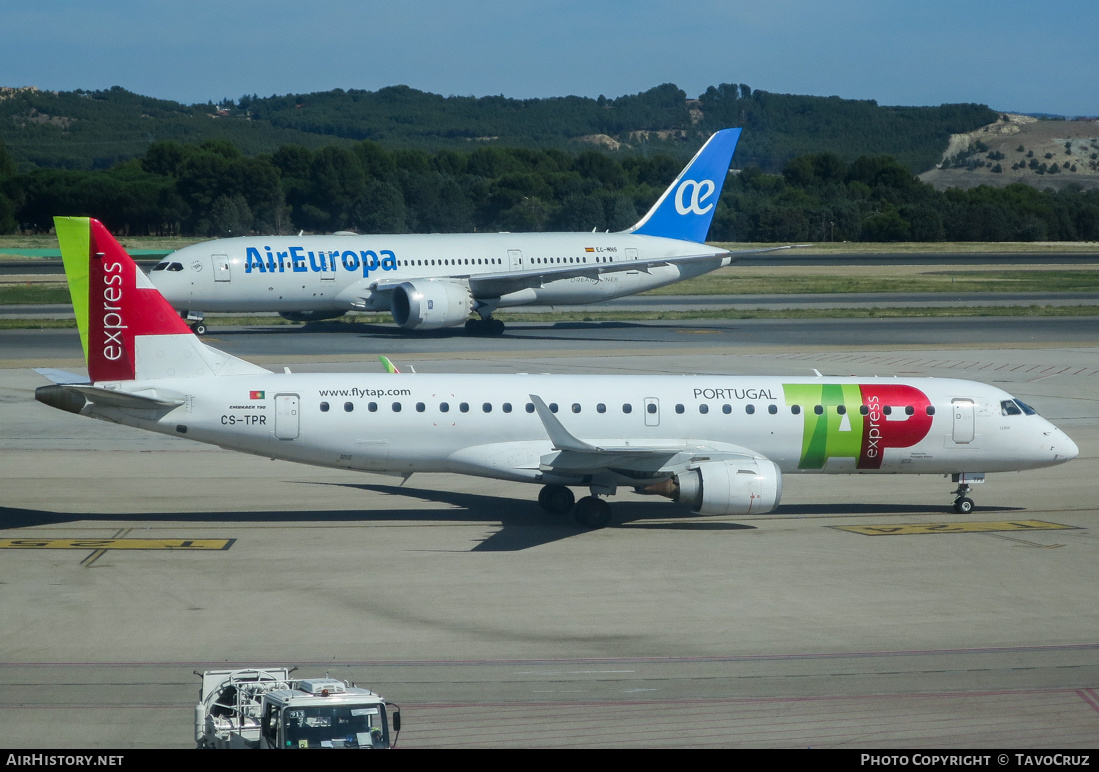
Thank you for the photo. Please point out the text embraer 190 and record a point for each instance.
(431, 281)
(718, 445)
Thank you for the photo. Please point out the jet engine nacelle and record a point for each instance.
(751, 486)
(430, 305)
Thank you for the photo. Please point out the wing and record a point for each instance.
(631, 463)
(493, 285)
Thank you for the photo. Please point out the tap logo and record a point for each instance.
(857, 421)
(699, 192)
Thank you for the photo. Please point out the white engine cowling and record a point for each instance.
(430, 305)
(741, 487)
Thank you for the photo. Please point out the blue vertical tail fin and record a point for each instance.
(686, 208)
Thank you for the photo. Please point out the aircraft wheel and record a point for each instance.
(556, 499)
(198, 328)
(495, 327)
(963, 505)
(593, 512)
(473, 326)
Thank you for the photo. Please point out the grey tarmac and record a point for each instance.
(494, 624)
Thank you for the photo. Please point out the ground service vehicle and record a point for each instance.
(265, 708)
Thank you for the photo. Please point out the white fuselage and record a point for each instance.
(485, 425)
(342, 273)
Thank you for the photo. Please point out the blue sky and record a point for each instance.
(1012, 55)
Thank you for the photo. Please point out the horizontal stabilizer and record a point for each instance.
(61, 376)
(73, 398)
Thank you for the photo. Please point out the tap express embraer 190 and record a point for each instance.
(717, 445)
(432, 281)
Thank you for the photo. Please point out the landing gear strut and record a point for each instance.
(485, 326)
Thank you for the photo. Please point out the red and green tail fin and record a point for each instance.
(127, 328)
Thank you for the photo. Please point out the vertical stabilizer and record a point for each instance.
(687, 207)
(127, 329)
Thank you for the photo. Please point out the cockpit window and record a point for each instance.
(175, 266)
(161, 265)
(1026, 408)
(1008, 407)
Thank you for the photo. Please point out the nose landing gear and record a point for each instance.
(963, 505)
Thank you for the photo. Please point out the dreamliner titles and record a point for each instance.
(301, 260)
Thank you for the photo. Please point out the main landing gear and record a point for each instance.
(486, 326)
(590, 511)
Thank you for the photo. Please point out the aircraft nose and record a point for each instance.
(1069, 449)
(1062, 446)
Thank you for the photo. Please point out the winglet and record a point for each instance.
(389, 366)
(687, 207)
(558, 434)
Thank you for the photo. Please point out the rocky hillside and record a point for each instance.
(1019, 148)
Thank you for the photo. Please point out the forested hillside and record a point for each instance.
(213, 189)
(97, 129)
(399, 160)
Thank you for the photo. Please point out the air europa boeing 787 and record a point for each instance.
(439, 280)
(718, 445)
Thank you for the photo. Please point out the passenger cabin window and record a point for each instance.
(464, 407)
(372, 407)
(348, 407)
(324, 407)
(795, 409)
(600, 408)
(749, 409)
(627, 408)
